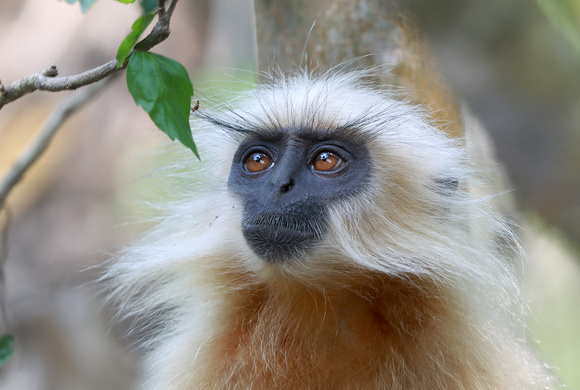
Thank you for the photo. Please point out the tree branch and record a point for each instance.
(47, 79)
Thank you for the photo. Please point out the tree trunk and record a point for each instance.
(373, 33)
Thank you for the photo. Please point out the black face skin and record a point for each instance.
(286, 180)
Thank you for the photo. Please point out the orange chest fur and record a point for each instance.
(313, 339)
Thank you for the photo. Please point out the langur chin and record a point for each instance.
(328, 239)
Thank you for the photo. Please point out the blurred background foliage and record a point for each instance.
(565, 16)
(521, 77)
(515, 65)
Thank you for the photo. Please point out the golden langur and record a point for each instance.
(333, 243)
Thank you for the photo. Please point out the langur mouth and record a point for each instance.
(296, 224)
(277, 238)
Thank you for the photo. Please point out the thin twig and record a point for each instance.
(47, 79)
(161, 30)
(61, 113)
(4, 223)
(161, 8)
(171, 8)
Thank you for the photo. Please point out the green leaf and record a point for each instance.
(126, 1)
(6, 348)
(148, 5)
(162, 87)
(565, 16)
(138, 27)
(85, 4)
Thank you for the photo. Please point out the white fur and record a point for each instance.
(403, 226)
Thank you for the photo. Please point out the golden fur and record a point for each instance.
(409, 289)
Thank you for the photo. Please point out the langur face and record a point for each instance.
(287, 179)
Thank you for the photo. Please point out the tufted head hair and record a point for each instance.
(406, 230)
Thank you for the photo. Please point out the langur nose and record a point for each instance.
(286, 187)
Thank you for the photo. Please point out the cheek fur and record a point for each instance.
(403, 292)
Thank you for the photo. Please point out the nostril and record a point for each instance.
(287, 186)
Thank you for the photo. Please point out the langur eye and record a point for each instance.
(258, 162)
(327, 162)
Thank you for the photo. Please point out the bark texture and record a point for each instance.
(371, 33)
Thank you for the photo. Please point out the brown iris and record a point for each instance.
(258, 162)
(327, 162)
